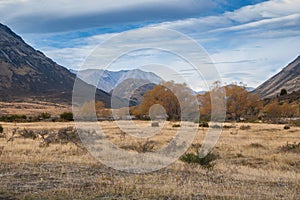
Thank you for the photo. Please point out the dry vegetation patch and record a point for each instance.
(258, 163)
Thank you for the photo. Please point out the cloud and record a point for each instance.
(248, 44)
(272, 23)
(35, 16)
(256, 40)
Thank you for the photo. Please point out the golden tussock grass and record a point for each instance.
(250, 165)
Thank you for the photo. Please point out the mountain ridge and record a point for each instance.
(287, 79)
(108, 80)
(27, 74)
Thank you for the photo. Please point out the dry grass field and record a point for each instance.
(255, 163)
(33, 108)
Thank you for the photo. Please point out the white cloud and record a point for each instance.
(249, 44)
(267, 33)
(42, 16)
(272, 23)
(265, 10)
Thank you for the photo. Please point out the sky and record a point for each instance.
(245, 40)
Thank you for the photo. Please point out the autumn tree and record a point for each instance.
(275, 110)
(87, 110)
(176, 99)
(101, 111)
(205, 105)
(239, 102)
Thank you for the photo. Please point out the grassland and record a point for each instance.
(33, 108)
(255, 163)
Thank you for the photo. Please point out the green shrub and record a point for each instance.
(286, 127)
(45, 115)
(67, 116)
(194, 158)
(204, 124)
(155, 124)
(2, 135)
(13, 118)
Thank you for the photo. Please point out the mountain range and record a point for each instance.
(108, 80)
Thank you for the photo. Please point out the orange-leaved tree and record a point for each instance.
(239, 102)
(174, 98)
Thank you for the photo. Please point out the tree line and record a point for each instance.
(171, 100)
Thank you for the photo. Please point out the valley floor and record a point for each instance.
(255, 163)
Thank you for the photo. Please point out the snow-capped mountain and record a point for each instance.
(108, 80)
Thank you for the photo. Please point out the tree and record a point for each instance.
(176, 99)
(205, 105)
(88, 109)
(276, 110)
(101, 111)
(239, 102)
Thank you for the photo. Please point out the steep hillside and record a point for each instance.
(288, 79)
(27, 74)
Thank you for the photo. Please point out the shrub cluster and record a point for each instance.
(67, 116)
(286, 127)
(13, 118)
(293, 148)
(206, 162)
(204, 124)
(47, 137)
(176, 125)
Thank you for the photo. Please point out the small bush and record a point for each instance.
(215, 126)
(67, 116)
(256, 145)
(155, 124)
(245, 127)
(141, 147)
(204, 124)
(293, 148)
(286, 127)
(229, 126)
(2, 135)
(176, 125)
(62, 136)
(28, 134)
(45, 115)
(204, 162)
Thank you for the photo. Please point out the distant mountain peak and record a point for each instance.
(108, 80)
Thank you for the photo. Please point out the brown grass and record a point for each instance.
(250, 165)
(33, 109)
